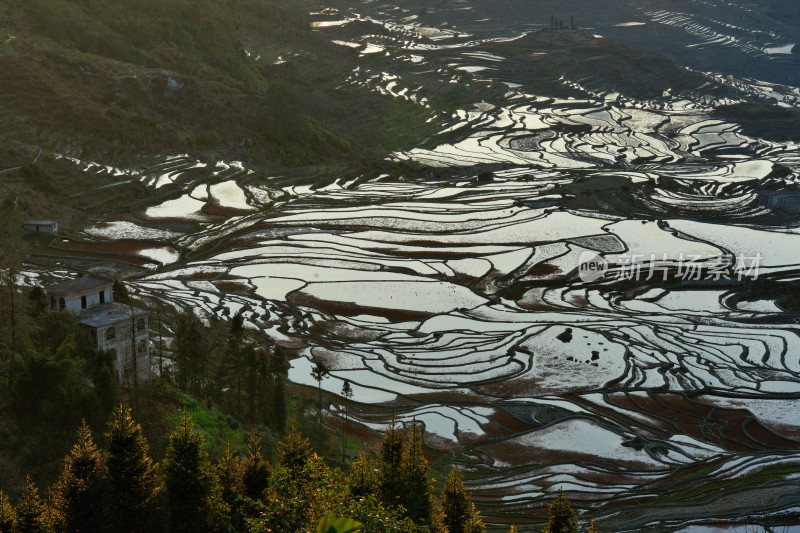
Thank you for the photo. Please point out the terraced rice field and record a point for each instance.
(658, 403)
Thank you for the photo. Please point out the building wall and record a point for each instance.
(124, 348)
(73, 301)
(42, 228)
(124, 362)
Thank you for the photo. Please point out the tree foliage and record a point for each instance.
(417, 493)
(8, 516)
(61, 380)
(255, 469)
(79, 494)
(191, 355)
(363, 480)
(31, 511)
(561, 517)
(229, 475)
(319, 372)
(332, 524)
(134, 483)
(122, 490)
(391, 456)
(217, 362)
(301, 489)
(458, 512)
(192, 490)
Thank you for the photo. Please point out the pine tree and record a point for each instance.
(191, 353)
(278, 406)
(475, 524)
(191, 488)
(294, 451)
(460, 515)
(8, 517)
(363, 480)
(319, 372)
(561, 516)
(10, 266)
(278, 370)
(134, 485)
(31, 517)
(79, 495)
(391, 456)
(229, 474)
(234, 354)
(255, 469)
(302, 489)
(416, 493)
(347, 392)
(255, 363)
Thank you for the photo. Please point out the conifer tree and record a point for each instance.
(294, 451)
(229, 474)
(8, 517)
(475, 524)
(255, 469)
(190, 354)
(234, 355)
(460, 515)
(415, 478)
(10, 265)
(347, 392)
(278, 370)
(319, 372)
(255, 364)
(31, 516)
(278, 406)
(79, 495)
(561, 516)
(191, 488)
(134, 484)
(391, 456)
(363, 480)
(302, 489)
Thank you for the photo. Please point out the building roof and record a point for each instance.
(41, 222)
(109, 314)
(78, 285)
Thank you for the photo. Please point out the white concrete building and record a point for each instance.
(122, 330)
(81, 293)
